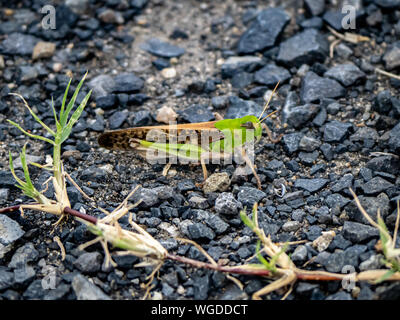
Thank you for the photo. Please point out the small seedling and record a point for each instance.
(64, 123)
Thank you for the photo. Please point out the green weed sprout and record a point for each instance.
(390, 252)
(64, 123)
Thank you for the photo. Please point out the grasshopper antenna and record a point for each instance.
(268, 115)
(266, 105)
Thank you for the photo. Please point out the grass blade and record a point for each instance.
(64, 118)
(74, 118)
(63, 103)
(34, 114)
(34, 136)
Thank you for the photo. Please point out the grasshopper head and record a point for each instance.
(252, 123)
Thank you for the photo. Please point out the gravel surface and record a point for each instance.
(338, 117)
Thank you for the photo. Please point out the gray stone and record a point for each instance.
(316, 88)
(376, 185)
(394, 139)
(371, 206)
(127, 83)
(6, 279)
(85, 290)
(234, 65)
(271, 74)
(311, 185)
(306, 47)
(196, 113)
(101, 85)
(357, 232)
(24, 274)
(10, 230)
(18, 44)
(23, 255)
(336, 131)
(161, 48)
(291, 142)
(347, 74)
(315, 7)
(392, 56)
(264, 31)
(298, 116)
(248, 196)
(239, 108)
(299, 254)
(227, 204)
(290, 226)
(89, 262)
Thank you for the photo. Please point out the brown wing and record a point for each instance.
(122, 139)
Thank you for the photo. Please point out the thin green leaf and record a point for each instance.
(63, 102)
(387, 275)
(25, 166)
(246, 220)
(58, 125)
(71, 103)
(75, 117)
(30, 134)
(262, 259)
(13, 171)
(275, 257)
(34, 114)
(41, 166)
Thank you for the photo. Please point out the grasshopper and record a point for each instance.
(198, 143)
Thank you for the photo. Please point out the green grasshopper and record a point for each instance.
(200, 142)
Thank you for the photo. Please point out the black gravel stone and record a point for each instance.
(315, 88)
(18, 44)
(127, 83)
(306, 47)
(383, 102)
(336, 199)
(161, 48)
(234, 65)
(271, 74)
(336, 131)
(242, 80)
(106, 102)
(357, 232)
(394, 139)
(200, 231)
(248, 196)
(387, 164)
(23, 255)
(315, 7)
(311, 185)
(89, 262)
(291, 142)
(264, 31)
(376, 185)
(392, 56)
(347, 74)
(6, 279)
(298, 116)
(197, 113)
(239, 108)
(217, 224)
(141, 118)
(227, 204)
(6, 179)
(117, 119)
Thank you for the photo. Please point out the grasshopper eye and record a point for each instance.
(248, 125)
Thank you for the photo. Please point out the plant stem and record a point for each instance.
(57, 160)
(67, 210)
